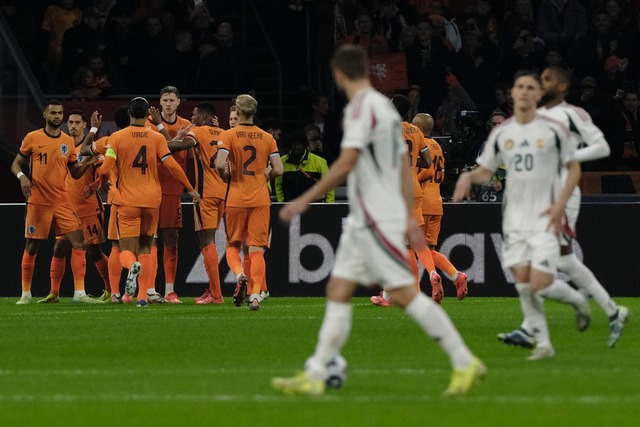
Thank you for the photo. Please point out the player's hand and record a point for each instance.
(214, 121)
(87, 191)
(195, 195)
(463, 188)
(292, 209)
(415, 236)
(556, 218)
(183, 131)
(97, 186)
(267, 172)
(154, 116)
(96, 120)
(25, 186)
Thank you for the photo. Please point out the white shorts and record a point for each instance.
(539, 249)
(373, 256)
(571, 217)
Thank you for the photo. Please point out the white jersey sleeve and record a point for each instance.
(596, 146)
(490, 157)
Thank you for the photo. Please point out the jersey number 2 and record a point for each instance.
(141, 160)
(245, 165)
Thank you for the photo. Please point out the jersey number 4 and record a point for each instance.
(141, 160)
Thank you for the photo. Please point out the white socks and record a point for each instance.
(78, 294)
(562, 292)
(334, 332)
(435, 322)
(583, 278)
(534, 321)
(168, 288)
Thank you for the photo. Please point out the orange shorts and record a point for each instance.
(250, 225)
(417, 210)
(432, 228)
(208, 213)
(135, 222)
(112, 228)
(93, 229)
(40, 218)
(170, 212)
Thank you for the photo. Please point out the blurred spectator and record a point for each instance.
(475, 67)
(322, 116)
(503, 100)
(621, 15)
(427, 62)
(21, 23)
(273, 126)
(363, 33)
(84, 86)
(156, 8)
(104, 6)
(314, 139)
(120, 35)
(485, 20)
(87, 37)
(561, 22)
(150, 47)
(302, 169)
(392, 19)
(553, 57)
(624, 136)
(201, 23)
(105, 76)
(493, 190)
(57, 20)
(589, 99)
(520, 16)
(414, 100)
(523, 55)
(457, 99)
(206, 67)
(597, 46)
(184, 62)
(408, 37)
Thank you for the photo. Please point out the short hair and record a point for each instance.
(352, 61)
(402, 104)
(121, 116)
(527, 73)
(139, 108)
(233, 108)
(562, 73)
(51, 102)
(312, 127)
(207, 108)
(78, 113)
(247, 105)
(169, 89)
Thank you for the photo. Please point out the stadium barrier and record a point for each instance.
(300, 258)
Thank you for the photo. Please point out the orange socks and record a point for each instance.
(56, 272)
(145, 280)
(170, 259)
(443, 263)
(246, 264)
(103, 270)
(127, 258)
(258, 270)
(210, 255)
(426, 259)
(115, 270)
(413, 264)
(233, 259)
(79, 268)
(28, 263)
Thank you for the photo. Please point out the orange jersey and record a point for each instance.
(169, 185)
(49, 159)
(83, 207)
(416, 144)
(431, 199)
(208, 182)
(99, 147)
(249, 150)
(136, 149)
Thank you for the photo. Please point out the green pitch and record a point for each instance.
(81, 365)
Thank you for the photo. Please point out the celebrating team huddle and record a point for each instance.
(393, 171)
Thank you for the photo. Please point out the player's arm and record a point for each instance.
(86, 148)
(425, 175)
(334, 177)
(597, 146)
(104, 171)
(156, 119)
(478, 176)
(221, 163)
(424, 159)
(277, 168)
(415, 235)
(16, 169)
(178, 174)
(556, 211)
(77, 169)
(181, 144)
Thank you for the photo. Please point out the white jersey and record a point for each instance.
(533, 154)
(374, 186)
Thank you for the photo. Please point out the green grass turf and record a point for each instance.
(80, 365)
